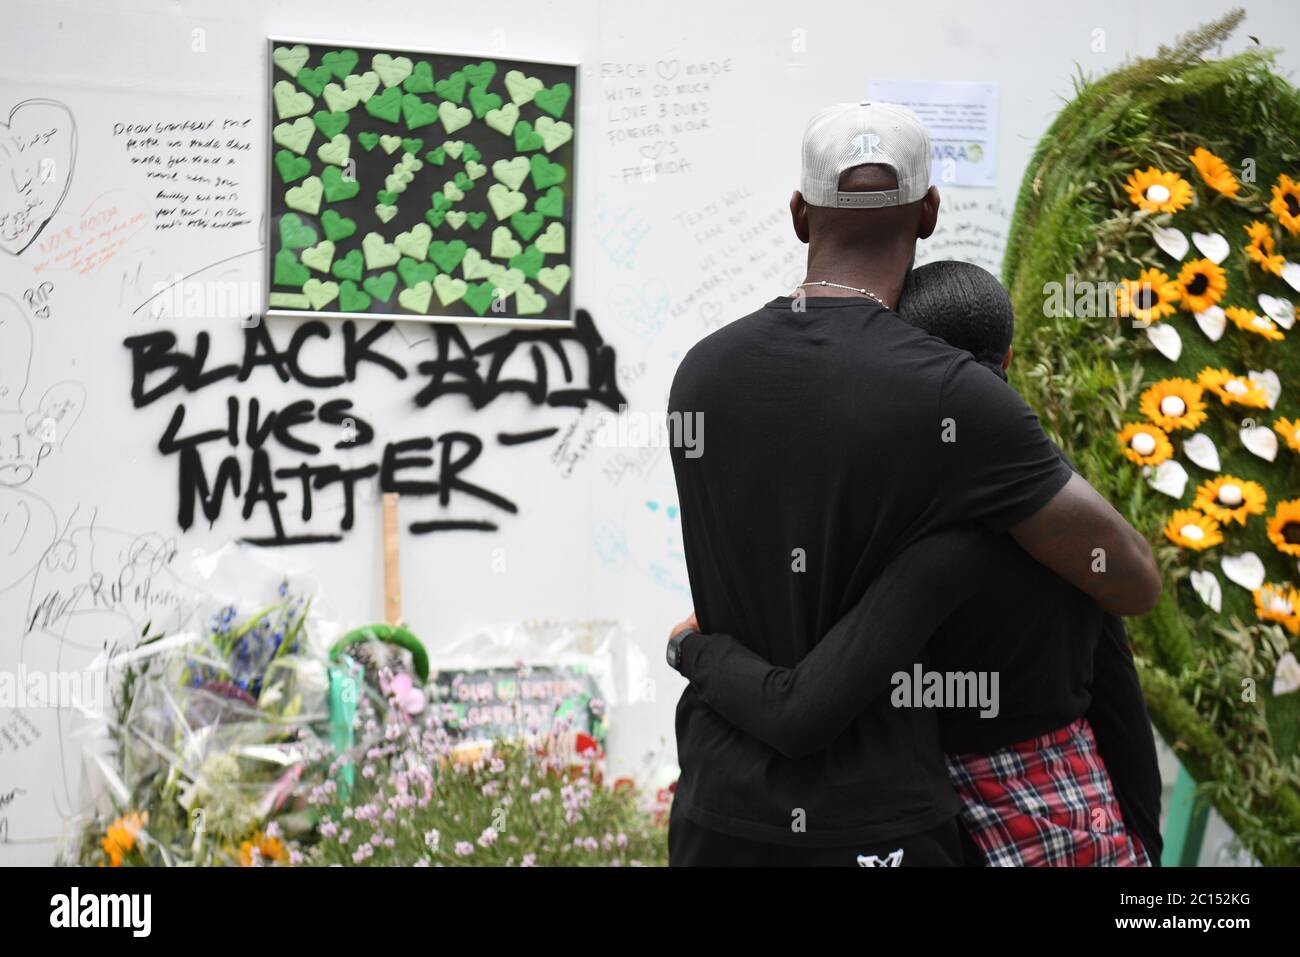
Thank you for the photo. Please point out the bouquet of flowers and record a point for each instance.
(211, 737)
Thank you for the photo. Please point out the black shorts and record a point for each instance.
(691, 845)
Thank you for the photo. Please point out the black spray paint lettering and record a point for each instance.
(233, 458)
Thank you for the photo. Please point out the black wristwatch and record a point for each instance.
(675, 648)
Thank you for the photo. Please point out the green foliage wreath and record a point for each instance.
(1086, 215)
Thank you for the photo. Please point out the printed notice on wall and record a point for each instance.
(963, 122)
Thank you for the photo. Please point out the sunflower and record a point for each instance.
(1216, 173)
(1286, 203)
(120, 837)
(1284, 527)
(1174, 404)
(1201, 283)
(1290, 432)
(1145, 444)
(1252, 322)
(1280, 603)
(1262, 248)
(1230, 499)
(1233, 389)
(1155, 191)
(1188, 528)
(1149, 298)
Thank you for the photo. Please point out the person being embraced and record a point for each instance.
(1058, 768)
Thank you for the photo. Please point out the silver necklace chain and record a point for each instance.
(860, 292)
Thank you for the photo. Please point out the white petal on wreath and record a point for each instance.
(1200, 448)
(1260, 440)
(1169, 477)
(1245, 570)
(1172, 241)
(1166, 340)
(1286, 678)
(1212, 322)
(1212, 246)
(1206, 585)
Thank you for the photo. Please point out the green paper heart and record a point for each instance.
(551, 204)
(504, 245)
(526, 138)
(506, 280)
(390, 143)
(296, 136)
(341, 62)
(413, 273)
(330, 123)
(456, 218)
(554, 278)
(474, 266)
(336, 151)
(447, 255)
(420, 80)
(412, 144)
(340, 100)
(479, 297)
(437, 157)
(475, 170)
(385, 212)
(453, 192)
(289, 102)
(378, 252)
(410, 162)
(291, 167)
(337, 186)
(294, 233)
(530, 261)
(504, 120)
(454, 117)
(289, 300)
(527, 225)
(305, 197)
(352, 299)
(288, 271)
(521, 88)
(368, 140)
(397, 182)
(320, 294)
(417, 113)
(386, 106)
(440, 202)
(504, 201)
(319, 257)
(554, 99)
(463, 181)
(414, 242)
(481, 101)
(452, 88)
(512, 172)
(470, 154)
(551, 241)
(381, 286)
(416, 298)
(336, 227)
(363, 85)
(291, 59)
(314, 80)
(387, 197)
(435, 216)
(477, 219)
(479, 74)
(528, 301)
(554, 133)
(455, 148)
(350, 266)
(449, 289)
(545, 173)
(391, 70)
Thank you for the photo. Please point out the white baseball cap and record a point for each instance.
(856, 134)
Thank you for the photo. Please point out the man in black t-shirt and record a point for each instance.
(839, 434)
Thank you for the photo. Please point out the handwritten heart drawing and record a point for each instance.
(60, 408)
(38, 149)
(15, 354)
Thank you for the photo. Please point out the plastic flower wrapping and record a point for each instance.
(1154, 261)
(201, 757)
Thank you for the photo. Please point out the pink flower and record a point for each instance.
(488, 837)
(401, 689)
(464, 848)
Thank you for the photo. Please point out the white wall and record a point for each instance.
(660, 263)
